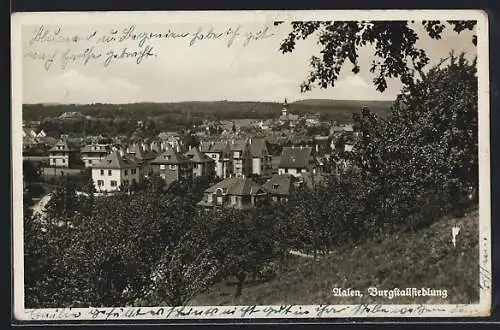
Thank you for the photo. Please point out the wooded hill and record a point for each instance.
(339, 110)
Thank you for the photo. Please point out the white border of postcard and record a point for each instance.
(253, 312)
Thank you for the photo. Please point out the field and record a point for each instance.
(425, 259)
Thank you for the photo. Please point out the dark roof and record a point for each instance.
(116, 161)
(296, 157)
(279, 184)
(197, 156)
(170, 156)
(239, 186)
(141, 154)
(237, 145)
(215, 146)
(257, 147)
(65, 147)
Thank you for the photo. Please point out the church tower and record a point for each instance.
(284, 110)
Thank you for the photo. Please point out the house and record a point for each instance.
(241, 157)
(143, 159)
(63, 154)
(202, 164)
(94, 153)
(115, 172)
(313, 120)
(41, 134)
(171, 165)
(261, 159)
(297, 161)
(279, 187)
(235, 192)
(220, 152)
(71, 115)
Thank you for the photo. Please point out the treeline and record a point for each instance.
(184, 113)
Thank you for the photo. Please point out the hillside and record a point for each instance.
(338, 110)
(426, 258)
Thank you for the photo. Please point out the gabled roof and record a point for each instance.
(258, 147)
(116, 161)
(195, 155)
(215, 146)
(238, 145)
(279, 184)
(170, 157)
(239, 186)
(140, 154)
(296, 157)
(67, 147)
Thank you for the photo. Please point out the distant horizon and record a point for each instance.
(211, 101)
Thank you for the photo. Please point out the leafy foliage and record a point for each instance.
(396, 52)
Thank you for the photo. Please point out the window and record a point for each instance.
(109, 172)
(102, 172)
(90, 161)
(100, 183)
(214, 156)
(173, 167)
(113, 183)
(162, 167)
(275, 186)
(133, 171)
(286, 170)
(64, 160)
(125, 182)
(126, 172)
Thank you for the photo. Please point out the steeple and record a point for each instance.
(284, 110)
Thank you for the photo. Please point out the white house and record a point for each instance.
(62, 154)
(115, 172)
(93, 153)
(297, 161)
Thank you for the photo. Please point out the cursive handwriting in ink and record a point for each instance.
(259, 35)
(46, 58)
(139, 55)
(82, 57)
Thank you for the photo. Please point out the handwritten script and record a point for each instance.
(252, 311)
(54, 46)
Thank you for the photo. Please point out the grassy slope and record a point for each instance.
(426, 258)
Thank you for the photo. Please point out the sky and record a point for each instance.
(208, 70)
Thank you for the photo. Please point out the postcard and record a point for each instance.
(237, 165)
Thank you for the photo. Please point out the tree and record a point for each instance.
(186, 269)
(31, 172)
(396, 52)
(422, 162)
(63, 202)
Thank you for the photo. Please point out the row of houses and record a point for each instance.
(119, 169)
(244, 193)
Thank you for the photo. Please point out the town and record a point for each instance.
(253, 159)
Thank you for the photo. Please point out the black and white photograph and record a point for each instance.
(250, 165)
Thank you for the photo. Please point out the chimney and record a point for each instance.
(189, 147)
(177, 148)
(232, 141)
(250, 140)
(317, 147)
